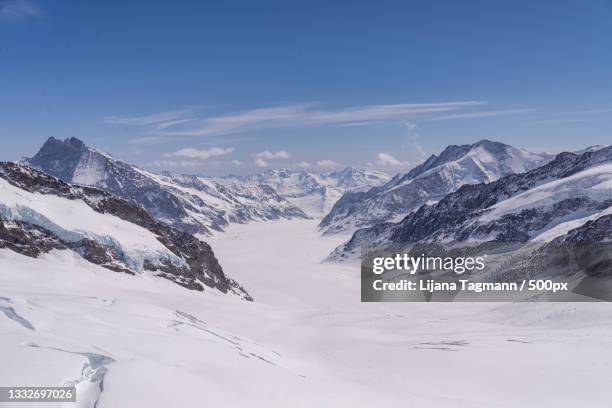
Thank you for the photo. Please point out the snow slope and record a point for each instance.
(306, 341)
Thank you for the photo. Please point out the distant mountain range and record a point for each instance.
(316, 193)
(196, 205)
(481, 162)
(569, 197)
(130, 220)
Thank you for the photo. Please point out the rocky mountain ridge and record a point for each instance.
(40, 213)
(193, 204)
(316, 192)
(481, 162)
(543, 204)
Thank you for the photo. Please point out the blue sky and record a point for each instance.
(239, 86)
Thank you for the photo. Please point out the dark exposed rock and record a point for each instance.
(598, 230)
(481, 162)
(456, 217)
(469, 201)
(202, 268)
(27, 239)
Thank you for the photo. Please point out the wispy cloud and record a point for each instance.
(181, 123)
(414, 140)
(561, 120)
(18, 9)
(203, 154)
(481, 114)
(575, 116)
(590, 111)
(160, 120)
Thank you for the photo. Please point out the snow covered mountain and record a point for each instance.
(192, 204)
(481, 162)
(316, 193)
(569, 196)
(40, 213)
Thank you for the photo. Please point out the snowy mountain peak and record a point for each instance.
(190, 203)
(540, 205)
(481, 162)
(69, 143)
(316, 193)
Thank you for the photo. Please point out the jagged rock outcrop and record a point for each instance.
(33, 224)
(540, 205)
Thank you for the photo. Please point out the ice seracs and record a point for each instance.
(40, 213)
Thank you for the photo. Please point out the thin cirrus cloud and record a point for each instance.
(481, 114)
(202, 154)
(575, 116)
(18, 9)
(159, 120)
(561, 120)
(186, 124)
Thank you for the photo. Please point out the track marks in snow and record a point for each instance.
(10, 312)
(244, 347)
(446, 345)
(518, 341)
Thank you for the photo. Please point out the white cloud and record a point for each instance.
(385, 159)
(236, 162)
(268, 155)
(303, 164)
(260, 163)
(184, 123)
(18, 9)
(201, 154)
(327, 163)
